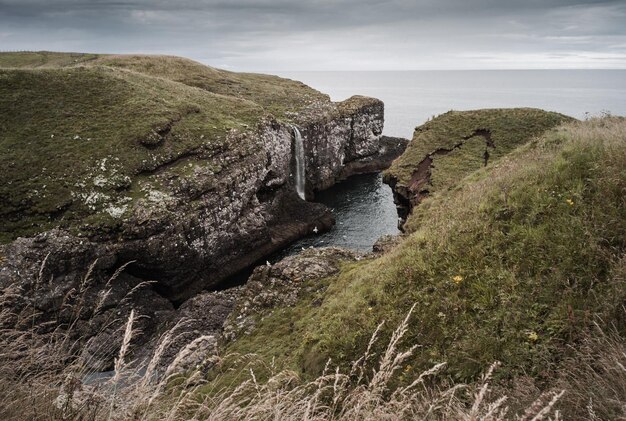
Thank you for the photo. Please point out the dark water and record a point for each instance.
(364, 209)
(411, 97)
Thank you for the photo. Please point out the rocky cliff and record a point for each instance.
(181, 177)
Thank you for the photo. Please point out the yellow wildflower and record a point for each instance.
(369, 309)
(457, 279)
(532, 336)
(570, 202)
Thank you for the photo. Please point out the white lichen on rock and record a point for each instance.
(116, 211)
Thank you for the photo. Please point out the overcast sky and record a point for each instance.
(266, 35)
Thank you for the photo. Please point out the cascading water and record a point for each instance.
(300, 169)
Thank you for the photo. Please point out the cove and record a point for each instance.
(364, 211)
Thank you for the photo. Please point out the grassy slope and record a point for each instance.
(508, 129)
(72, 128)
(510, 266)
(277, 95)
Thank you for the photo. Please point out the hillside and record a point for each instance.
(278, 95)
(43, 59)
(512, 265)
(105, 122)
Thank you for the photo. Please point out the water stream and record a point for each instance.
(300, 162)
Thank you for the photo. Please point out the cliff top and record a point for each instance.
(452, 145)
(276, 94)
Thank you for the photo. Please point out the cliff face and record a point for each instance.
(205, 198)
(192, 232)
(337, 136)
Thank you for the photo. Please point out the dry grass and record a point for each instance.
(41, 379)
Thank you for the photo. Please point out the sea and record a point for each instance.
(412, 97)
(363, 205)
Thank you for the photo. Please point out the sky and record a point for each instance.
(286, 35)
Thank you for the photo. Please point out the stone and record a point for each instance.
(281, 284)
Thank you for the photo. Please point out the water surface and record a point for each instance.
(364, 210)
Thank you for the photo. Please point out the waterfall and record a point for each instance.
(300, 168)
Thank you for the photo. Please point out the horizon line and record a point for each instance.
(435, 70)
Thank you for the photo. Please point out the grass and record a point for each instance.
(512, 265)
(39, 59)
(277, 95)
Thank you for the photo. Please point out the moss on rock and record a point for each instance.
(454, 144)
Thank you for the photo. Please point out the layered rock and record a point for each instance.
(337, 136)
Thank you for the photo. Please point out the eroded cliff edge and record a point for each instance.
(451, 146)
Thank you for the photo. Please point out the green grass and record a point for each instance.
(277, 95)
(512, 265)
(75, 133)
(32, 60)
(508, 128)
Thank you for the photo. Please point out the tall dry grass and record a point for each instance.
(41, 378)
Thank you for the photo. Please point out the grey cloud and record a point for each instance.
(327, 34)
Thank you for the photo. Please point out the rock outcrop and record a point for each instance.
(282, 284)
(457, 143)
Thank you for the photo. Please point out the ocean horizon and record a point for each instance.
(413, 96)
